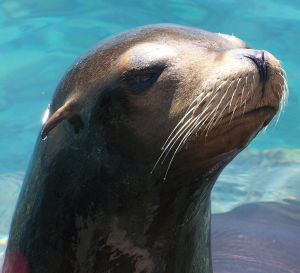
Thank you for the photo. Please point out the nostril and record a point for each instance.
(258, 58)
(260, 55)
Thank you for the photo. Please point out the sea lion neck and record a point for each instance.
(133, 220)
(158, 225)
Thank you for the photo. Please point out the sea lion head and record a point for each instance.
(161, 91)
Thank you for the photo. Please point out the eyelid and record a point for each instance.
(134, 78)
(144, 70)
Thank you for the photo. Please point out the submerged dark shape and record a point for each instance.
(139, 130)
(258, 237)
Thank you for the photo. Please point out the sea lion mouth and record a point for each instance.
(257, 119)
(268, 111)
(234, 132)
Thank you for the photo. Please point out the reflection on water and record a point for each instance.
(271, 175)
(39, 40)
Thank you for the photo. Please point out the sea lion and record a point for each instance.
(138, 131)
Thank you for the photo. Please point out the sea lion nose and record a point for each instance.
(258, 58)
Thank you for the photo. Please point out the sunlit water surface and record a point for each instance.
(39, 40)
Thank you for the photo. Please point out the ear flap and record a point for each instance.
(66, 112)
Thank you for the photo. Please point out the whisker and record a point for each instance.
(233, 94)
(196, 126)
(190, 110)
(214, 121)
(180, 145)
(172, 139)
(283, 95)
(172, 144)
(166, 150)
(172, 158)
(177, 149)
(247, 96)
(213, 124)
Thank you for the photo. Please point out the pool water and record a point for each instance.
(39, 40)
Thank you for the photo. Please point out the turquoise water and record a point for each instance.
(39, 40)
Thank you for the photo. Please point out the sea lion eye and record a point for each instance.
(141, 80)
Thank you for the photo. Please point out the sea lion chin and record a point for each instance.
(138, 131)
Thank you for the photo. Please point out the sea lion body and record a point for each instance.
(257, 238)
(139, 129)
